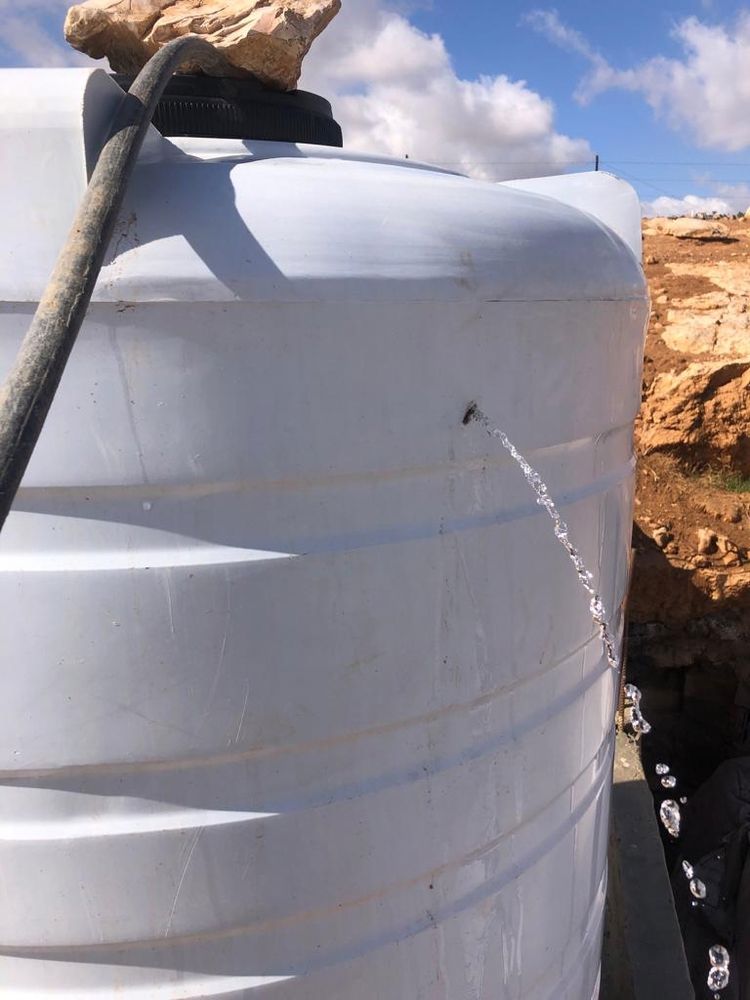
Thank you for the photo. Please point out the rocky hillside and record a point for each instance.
(690, 603)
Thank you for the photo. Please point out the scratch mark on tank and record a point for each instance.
(480, 636)
(185, 867)
(466, 262)
(364, 662)
(133, 709)
(219, 668)
(127, 237)
(129, 403)
(168, 588)
(244, 712)
(222, 650)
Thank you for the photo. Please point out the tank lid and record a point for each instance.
(226, 108)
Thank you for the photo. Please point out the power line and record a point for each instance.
(600, 162)
(639, 180)
(510, 163)
(674, 180)
(591, 160)
(677, 163)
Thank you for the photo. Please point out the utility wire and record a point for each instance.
(638, 180)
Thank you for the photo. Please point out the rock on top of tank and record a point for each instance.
(267, 39)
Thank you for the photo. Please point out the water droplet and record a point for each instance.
(718, 978)
(683, 800)
(688, 869)
(698, 888)
(669, 814)
(633, 715)
(718, 975)
(669, 781)
(632, 693)
(662, 769)
(718, 956)
(116, 624)
(147, 505)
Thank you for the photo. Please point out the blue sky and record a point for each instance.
(629, 135)
(500, 88)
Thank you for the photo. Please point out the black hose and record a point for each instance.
(30, 387)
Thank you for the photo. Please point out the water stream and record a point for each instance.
(560, 528)
(669, 810)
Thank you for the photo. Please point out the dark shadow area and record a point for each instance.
(201, 206)
(715, 239)
(691, 665)
(687, 669)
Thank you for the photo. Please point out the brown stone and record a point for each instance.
(263, 38)
(731, 559)
(725, 545)
(707, 541)
(687, 228)
(700, 414)
(662, 536)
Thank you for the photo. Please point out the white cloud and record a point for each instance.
(705, 92)
(736, 194)
(690, 204)
(728, 199)
(395, 91)
(548, 23)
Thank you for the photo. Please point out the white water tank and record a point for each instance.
(301, 698)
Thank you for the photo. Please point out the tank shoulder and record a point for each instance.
(227, 220)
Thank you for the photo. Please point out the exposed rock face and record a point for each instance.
(700, 414)
(263, 38)
(716, 321)
(689, 638)
(697, 410)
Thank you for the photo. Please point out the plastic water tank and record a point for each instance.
(300, 697)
